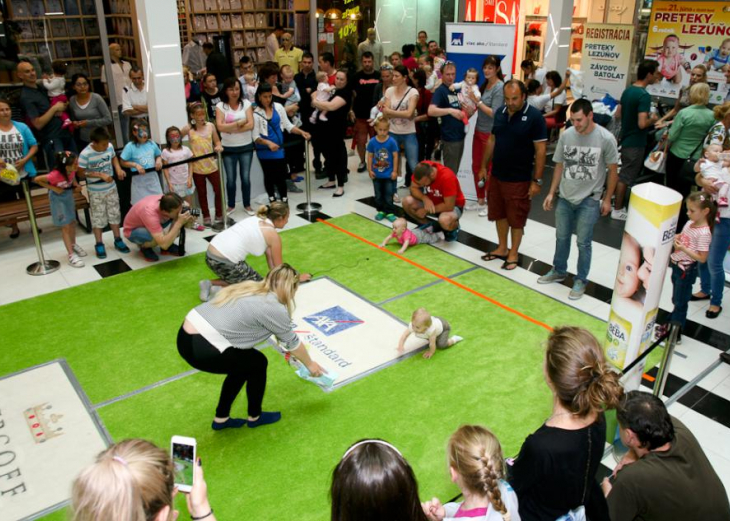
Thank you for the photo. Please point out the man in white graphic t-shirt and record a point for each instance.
(583, 154)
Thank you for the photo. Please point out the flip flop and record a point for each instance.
(507, 264)
(489, 256)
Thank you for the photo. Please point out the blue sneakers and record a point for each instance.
(451, 235)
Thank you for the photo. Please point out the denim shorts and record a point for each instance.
(63, 208)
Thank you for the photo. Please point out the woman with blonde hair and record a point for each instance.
(227, 252)
(220, 336)
(554, 474)
(476, 465)
(686, 135)
(133, 480)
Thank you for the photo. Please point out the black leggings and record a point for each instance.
(276, 172)
(240, 366)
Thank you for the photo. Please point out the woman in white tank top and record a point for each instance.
(227, 252)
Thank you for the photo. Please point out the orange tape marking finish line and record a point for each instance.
(442, 277)
(451, 281)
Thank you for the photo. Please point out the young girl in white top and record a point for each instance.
(434, 329)
(714, 168)
(476, 465)
(324, 93)
(462, 88)
(179, 178)
(55, 85)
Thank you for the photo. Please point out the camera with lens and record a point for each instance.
(195, 212)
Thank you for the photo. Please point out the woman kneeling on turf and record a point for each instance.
(220, 336)
(228, 250)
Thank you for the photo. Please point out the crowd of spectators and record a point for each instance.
(414, 101)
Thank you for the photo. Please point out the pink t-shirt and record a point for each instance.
(474, 512)
(56, 178)
(178, 174)
(697, 239)
(408, 236)
(145, 214)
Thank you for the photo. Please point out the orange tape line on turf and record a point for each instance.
(442, 277)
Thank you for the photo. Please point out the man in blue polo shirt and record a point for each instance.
(445, 105)
(516, 148)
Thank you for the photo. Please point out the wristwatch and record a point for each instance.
(538, 182)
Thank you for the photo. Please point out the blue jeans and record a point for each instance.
(384, 191)
(409, 142)
(578, 218)
(682, 281)
(712, 275)
(237, 160)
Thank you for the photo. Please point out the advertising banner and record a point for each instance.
(495, 11)
(685, 34)
(467, 44)
(605, 60)
(347, 335)
(647, 243)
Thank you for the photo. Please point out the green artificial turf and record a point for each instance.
(118, 335)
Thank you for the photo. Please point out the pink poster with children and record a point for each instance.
(685, 35)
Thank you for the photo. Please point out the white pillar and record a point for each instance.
(557, 42)
(162, 64)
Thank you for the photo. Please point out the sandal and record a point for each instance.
(509, 265)
(489, 256)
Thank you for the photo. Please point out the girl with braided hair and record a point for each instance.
(476, 465)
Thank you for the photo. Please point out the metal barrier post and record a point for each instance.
(224, 198)
(43, 266)
(309, 207)
(663, 372)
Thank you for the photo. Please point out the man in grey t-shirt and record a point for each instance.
(582, 155)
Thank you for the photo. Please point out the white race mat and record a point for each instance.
(48, 434)
(346, 333)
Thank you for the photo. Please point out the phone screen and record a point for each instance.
(183, 456)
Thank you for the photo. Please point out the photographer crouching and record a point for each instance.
(146, 221)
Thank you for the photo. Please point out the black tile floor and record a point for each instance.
(111, 268)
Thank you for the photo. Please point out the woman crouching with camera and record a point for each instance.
(227, 252)
(220, 336)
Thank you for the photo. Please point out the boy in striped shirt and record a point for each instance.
(98, 163)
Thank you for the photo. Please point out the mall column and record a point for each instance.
(557, 40)
(161, 52)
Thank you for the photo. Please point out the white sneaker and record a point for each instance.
(483, 212)
(205, 287)
(78, 250)
(74, 261)
(619, 215)
(471, 206)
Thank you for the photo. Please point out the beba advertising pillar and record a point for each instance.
(645, 248)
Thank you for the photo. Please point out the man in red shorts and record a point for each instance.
(435, 191)
(516, 147)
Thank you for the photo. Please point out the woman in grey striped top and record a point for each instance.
(220, 337)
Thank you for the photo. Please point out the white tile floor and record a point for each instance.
(538, 243)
